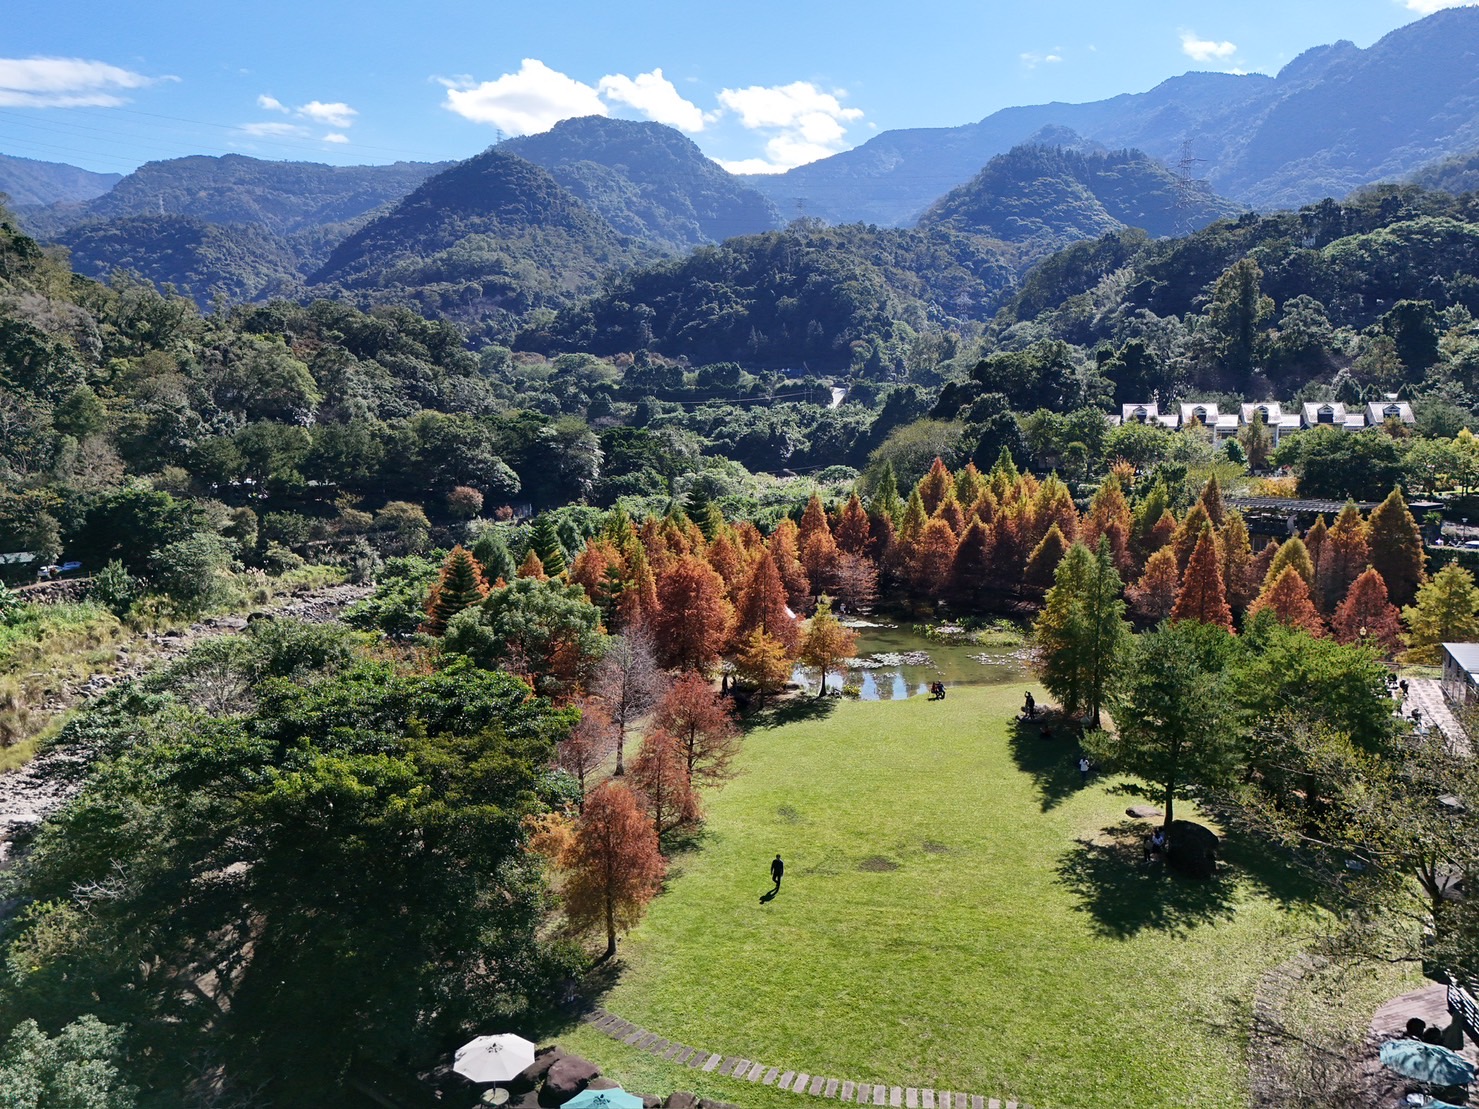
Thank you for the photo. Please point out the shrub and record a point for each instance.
(190, 571)
(114, 588)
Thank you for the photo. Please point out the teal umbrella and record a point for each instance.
(604, 1099)
(1429, 1063)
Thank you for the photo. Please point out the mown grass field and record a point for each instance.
(959, 912)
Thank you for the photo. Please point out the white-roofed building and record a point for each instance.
(1330, 413)
(1148, 412)
(1379, 412)
(1461, 672)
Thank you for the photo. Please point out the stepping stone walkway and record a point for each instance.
(797, 1082)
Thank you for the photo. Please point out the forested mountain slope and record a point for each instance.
(826, 298)
(648, 181)
(484, 242)
(1050, 196)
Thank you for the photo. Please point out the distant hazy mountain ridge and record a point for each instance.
(30, 183)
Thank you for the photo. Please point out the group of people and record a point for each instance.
(937, 691)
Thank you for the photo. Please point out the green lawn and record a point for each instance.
(958, 912)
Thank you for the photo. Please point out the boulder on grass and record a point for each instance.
(532, 1075)
(1144, 812)
(681, 1099)
(603, 1083)
(567, 1078)
(1193, 849)
(650, 1101)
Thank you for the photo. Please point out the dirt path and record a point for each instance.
(36, 790)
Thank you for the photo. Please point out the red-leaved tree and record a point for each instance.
(614, 865)
(704, 724)
(661, 779)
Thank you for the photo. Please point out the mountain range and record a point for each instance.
(1335, 118)
(540, 221)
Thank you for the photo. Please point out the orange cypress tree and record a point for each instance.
(661, 779)
(1160, 534)
(819, 556)
(691, 627)
(1288, 598)
(636, 603)
(764, 663)
(1344, 555)
(970, 569)
(1367, 616)
(1397, 548)
(1314, 542)
(762, 606)
(933, 555)
(1189, 533)
(1052, 505)
(813, 521)
(1153, 597)
(783, 548)
(1107, 507)
(851, 532)
(1211, 502)
(826, 643)
(599, 569)
(460, 585)
(1042, 564)
(951, 512)
(984, 507)
(531, 567)
(724, 556)
(1203, 597)
(1258, 568)
(1008, 551)
(1237, 558)
(857, 583)
(935, 486)
(615, 868)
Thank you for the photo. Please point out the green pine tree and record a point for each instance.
(461, 585)
(1082, 631)
(885, 500)
(545, 541)
(491, 551)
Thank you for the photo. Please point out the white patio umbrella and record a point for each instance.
(493, 1058)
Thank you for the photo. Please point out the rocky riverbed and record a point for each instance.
(33, 792)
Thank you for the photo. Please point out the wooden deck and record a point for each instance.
(1431, 1004)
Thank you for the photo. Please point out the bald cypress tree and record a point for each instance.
(1288, 598)
(1397, 548)
(1367, 616)
(1081, 631)
(1203, 597)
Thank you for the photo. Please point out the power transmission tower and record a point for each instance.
(1186, 188)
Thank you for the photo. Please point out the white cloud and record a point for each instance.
(337, 114)
(1206, 50)
(1428, 7)
(1032, 59)
(807, 122)
(654, 96)
(524, 103)
(334, 136)
(274, 130)
(66, 83)
(271, 103)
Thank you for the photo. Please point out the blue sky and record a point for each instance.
(760, 86)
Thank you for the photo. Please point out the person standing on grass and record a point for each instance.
(777, 870)
(1083, 768)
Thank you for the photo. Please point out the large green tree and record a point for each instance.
(1174, 724)
(1082, 630)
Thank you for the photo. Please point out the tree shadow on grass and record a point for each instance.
(1123, 897)
(792, 710)
(1053, 763)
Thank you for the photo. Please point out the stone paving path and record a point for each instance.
(1427, 694)
(798, 1082)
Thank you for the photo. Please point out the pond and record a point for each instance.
(895, 662)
